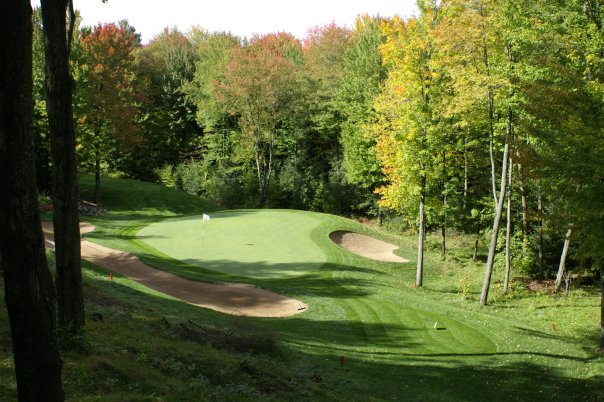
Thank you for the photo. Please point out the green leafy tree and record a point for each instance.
(406, 129)
(362, 75)
(166, 115)
(260, 88)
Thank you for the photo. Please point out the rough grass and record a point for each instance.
(368, 334)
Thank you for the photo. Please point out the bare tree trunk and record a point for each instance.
(443, 240)
(465, 174)
(421, 235)
(475, 250)
(28, 288)
(491, 112)
(602, 309)
(65, 179)
(97, 176)
(508, 231)
(541, 245)
(525, 217)
(491, 145)
(495, 233)
(443, 227)
(563, 259)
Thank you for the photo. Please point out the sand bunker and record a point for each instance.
(366, 246)
(229, 298)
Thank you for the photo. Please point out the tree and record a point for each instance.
(259, 88)
(59, 89)
(406, 125)
(170, 134)
(363, 74)
(29, 292)
(105, 97)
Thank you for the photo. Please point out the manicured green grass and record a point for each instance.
(522, 347)
(254, 243)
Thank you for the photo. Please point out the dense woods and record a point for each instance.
(475, 117)
(480, 117)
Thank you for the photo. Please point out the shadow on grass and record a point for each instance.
(341, 355)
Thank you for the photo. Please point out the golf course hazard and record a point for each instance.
(259, 243)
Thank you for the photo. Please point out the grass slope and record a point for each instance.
(363, 313)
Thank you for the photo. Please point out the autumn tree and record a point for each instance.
(406, 125)
(259, 88)
(28, 289)
(105, 98)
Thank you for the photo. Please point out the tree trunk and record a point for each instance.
(475, 254)
(495, 233)
(443, 240)
(97, 176)
(419, 276)
(491, 112)
(541, 245)
(491, 145)
(525, 217)
(563, 259)
(465, 175)
(508, 231)
(65, 179)
(29, 293)
(443, 227)
(602, 309)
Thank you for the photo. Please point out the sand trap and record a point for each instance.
(366, 246)
(229, 298)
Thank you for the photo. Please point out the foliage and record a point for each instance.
(164, 67)
(104, 99)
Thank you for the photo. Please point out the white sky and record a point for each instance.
(241, 17)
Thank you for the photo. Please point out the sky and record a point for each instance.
(241, 17)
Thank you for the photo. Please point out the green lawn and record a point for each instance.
(522, 347)
(262, 244)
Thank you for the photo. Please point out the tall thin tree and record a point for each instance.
(59, 89)
(29, 293)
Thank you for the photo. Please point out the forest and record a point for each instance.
(474, 119)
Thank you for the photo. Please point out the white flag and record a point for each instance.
(206, 217)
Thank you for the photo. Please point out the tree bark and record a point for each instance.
(525, 214)
(541, 245)
(419, 275)
(465, 175)
(562, 265)
(508, 231)
(443, 240)
(97, 176)
(29, 292)
(497, 219)
(59, 89)
(475, 254)
(491, 145)
(602, 309)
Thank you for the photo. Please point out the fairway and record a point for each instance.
(260, 243)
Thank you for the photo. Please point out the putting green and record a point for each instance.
(258, 243)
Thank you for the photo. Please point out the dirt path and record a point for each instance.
(229, 298)
(366, 246)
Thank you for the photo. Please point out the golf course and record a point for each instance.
(366, 334)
